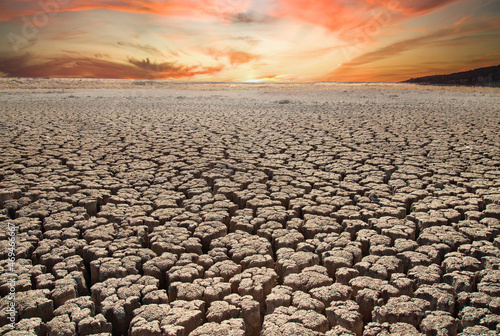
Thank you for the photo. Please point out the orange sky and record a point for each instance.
(247, 40)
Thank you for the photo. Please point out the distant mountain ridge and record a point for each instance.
(488, 76)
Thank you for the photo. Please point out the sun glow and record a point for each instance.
(246, 40)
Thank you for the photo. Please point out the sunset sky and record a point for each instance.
(247, 40)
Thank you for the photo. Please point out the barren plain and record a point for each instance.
(180, 209)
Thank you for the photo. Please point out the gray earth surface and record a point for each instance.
(249, 209)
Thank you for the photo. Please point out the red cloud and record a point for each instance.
(88, 67)
(411, 7)
(347, 16)
(219, 8)
(234, 56)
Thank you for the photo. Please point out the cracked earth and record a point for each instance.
(326, 209)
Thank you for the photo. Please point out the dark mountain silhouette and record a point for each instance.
(489, 76)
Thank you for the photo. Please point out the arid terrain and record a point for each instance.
(173, 209)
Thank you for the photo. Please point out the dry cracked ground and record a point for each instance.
(251, 210)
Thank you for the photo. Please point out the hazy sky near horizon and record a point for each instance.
(247, 40)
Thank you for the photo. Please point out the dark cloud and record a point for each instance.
(251, 17)
(29, 65)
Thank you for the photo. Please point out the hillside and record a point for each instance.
(489, 76)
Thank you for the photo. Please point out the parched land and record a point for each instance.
(249, 209)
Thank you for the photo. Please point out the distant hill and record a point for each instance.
(489, 76)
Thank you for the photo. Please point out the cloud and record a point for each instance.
(251, 38)
(223, 9)
(234, 56)
(28, 65)
(334, 15)
(67, 35)
(143, 47)
(348, 17)
(446, 37)
(351, 19)
(412, 7)
(220, 8)
(463, 20)
(250, 17)
(492, 58)
(247, 39)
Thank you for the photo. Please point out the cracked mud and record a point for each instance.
(220, 209)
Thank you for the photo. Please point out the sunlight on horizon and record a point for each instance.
(247, 40)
